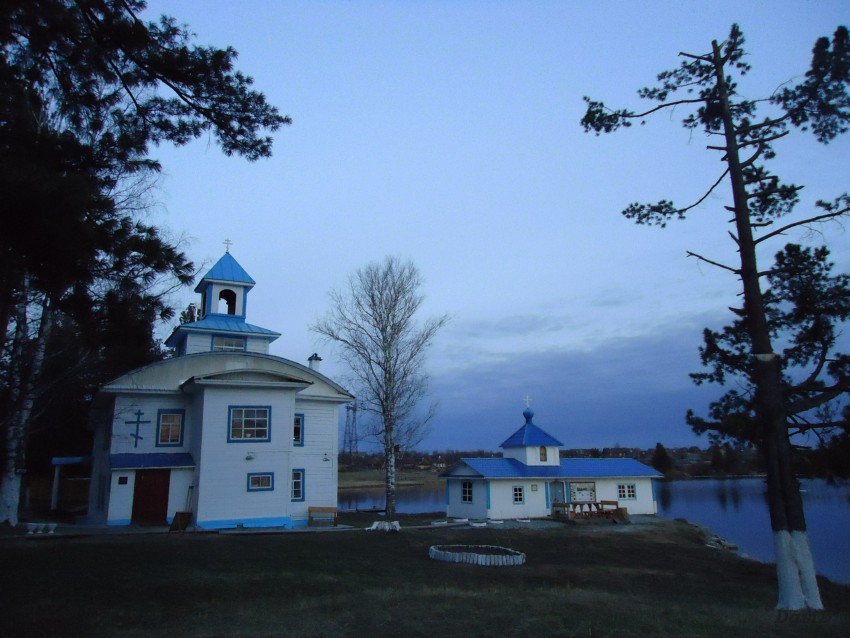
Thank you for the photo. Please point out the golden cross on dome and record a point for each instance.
(527, 401)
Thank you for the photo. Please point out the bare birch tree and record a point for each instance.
(374, 324)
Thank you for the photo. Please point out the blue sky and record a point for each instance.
(448, 133)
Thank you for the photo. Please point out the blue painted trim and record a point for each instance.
(487, 484)
(548, 502)
(245, 290)
(261, 489)
(230, 523)
(303, 484)
(567, 496)
(118, 521)
(159, 414)
(303, 422)
(230, 409)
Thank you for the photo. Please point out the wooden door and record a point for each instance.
(150, 497)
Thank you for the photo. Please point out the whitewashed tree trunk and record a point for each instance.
(389, 452)
(25, 373)
(798, 587)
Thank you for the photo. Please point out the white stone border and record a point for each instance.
(512, 557)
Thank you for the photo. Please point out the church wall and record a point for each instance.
(124, 423)
(317, 457)
(530, 455)
(644, 503)
(121, 498)
(223, 496)
(501, 499)
(456, 508)
(258, 345)
(197, 342)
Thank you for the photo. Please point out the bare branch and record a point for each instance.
(713, 263)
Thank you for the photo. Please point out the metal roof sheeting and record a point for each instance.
(569, 468)
(226, 269)
(530, 434)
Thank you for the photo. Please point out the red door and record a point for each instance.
(150, 497)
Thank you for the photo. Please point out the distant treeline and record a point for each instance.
(676, 462)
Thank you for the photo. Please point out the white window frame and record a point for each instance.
(626, 491)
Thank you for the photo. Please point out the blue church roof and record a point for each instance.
(568, 469)
(226, 269)
(530, 434)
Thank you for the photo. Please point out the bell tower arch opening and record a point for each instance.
(228, 297)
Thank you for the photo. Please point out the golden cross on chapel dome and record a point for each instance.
(527, 401)
(227, 244)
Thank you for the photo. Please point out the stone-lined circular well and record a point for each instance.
(489, 555)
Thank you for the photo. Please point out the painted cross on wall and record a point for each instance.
(138, 422)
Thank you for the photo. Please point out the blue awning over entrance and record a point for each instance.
(151, 460)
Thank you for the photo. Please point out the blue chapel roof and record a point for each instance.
(530, 434)
(569, 468)
(226, 269)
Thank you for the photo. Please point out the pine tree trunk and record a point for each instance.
(795, 569)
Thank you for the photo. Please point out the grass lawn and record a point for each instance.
(578, 581)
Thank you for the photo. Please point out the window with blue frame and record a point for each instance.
(261, 482)
(169, 428)
(297, 485)
(249, 423)
(298, 430)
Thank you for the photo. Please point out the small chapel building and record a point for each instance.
(530, 480)
(224, 431)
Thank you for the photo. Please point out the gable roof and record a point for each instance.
(226, 269)
(496, 468)
(530, 434)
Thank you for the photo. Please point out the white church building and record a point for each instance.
(224, 431)
(530, 480)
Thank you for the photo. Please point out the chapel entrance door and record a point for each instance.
(556, 494)
(150, 497)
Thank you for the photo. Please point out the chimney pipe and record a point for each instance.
(315, 361)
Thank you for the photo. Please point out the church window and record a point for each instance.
(466, 492)
(519, 494)
(229, 299)
(626, 491)
(543, 454)
(249, 424)
(298, 430)
(261, 482)
(169, 431)
(297, 485)
(228, 344)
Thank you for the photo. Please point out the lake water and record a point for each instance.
(734, 509)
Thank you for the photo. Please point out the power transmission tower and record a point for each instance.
(349, 443)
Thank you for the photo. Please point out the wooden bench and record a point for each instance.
(317, 515)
